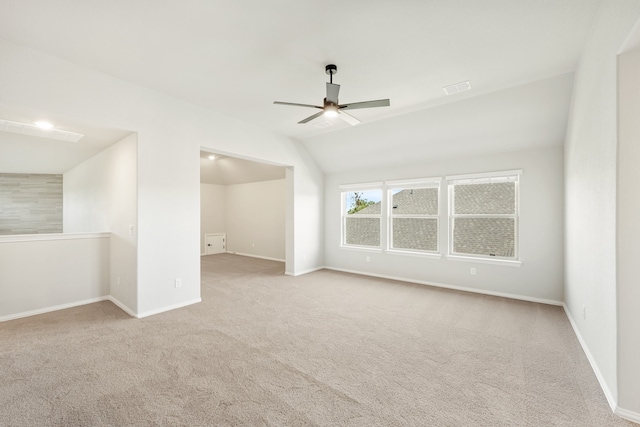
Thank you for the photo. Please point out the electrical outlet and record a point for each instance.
(584, 312)
(117, 280)
(178, 283)
(253, 245)
(368, 259)
(472, 271)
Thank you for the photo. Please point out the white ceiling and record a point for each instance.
(224, 170)
(33, 154)
(524, 117)
(237, 57)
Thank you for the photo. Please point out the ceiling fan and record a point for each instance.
(331, 107)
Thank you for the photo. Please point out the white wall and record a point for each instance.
(590, 188)
(170, 136)
(100, 195)
(628, 235)
(256, 218)
(213, 214)
(541, 229)
(41, 273)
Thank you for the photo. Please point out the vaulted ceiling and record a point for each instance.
(237, 57)
(225, 170)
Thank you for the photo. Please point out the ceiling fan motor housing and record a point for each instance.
(331, 69)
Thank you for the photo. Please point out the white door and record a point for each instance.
(215, 243)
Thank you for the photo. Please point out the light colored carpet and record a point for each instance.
(324, 349)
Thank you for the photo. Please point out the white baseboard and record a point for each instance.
(592, 361)
(300, 273)
(629, 415)
(168, 308)
(621, 412)
(453, 287)
(52, 308)
(122, 306)
(118, 303)
(256, 256)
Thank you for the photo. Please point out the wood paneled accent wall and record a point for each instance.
(30, 203)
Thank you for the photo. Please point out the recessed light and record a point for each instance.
(44, 125)
(212, 157)
(36, 130)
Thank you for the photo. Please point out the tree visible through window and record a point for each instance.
(358, 202)
(361, 218)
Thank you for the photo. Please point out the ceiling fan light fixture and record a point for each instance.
(330, 111)
(331, 108)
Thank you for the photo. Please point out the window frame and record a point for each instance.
(407, 185)
(350, 188)
(484, 178)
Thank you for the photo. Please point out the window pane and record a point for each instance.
(484, 236)
(362, 231)
(490, 198)
(363, 202)
(422, 201)
(415, 233)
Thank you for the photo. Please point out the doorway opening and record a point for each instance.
(244, 206)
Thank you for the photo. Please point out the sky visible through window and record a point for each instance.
(374, 196)
(369, 195)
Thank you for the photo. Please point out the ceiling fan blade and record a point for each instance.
(332, 92)
(308, 119)
(366, 104)
(296, 105)
(348, 118)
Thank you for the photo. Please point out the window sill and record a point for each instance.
(361, 249)
(504, 262)
(414, 254)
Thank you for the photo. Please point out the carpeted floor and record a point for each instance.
(324, 349)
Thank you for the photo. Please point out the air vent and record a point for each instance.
(321, 125)
(32, 130)
(457, 88)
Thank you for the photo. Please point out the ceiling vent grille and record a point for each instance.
(323, 124)
(457, 88)
(32, 130)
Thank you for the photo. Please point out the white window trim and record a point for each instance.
(492, 260)
(471, 176)
(385, 239)
(414, 253)
(414, 183)
(488, 177)
(362, 186)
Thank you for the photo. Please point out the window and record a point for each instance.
(362, 215)
(483, 215)
(413, 216)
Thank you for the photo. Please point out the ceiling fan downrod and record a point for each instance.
(331, 69)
